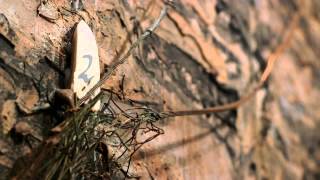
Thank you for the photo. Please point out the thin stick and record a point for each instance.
(266, 73)
(117, 63)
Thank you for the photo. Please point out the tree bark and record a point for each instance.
(205, 53)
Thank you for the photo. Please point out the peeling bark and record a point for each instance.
(205, 53)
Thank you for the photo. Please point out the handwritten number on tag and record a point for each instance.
(83, 75)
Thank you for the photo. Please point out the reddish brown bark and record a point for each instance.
(203, 54)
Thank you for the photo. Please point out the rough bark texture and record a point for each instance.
(205, 53)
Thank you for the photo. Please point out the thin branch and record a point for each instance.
(117, 63)
(266, 73)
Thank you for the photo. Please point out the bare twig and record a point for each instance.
(117, 63)
(266, 73)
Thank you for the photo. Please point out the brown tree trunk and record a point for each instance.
(204, 53)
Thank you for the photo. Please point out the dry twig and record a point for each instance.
(266, 73)
(120, 61)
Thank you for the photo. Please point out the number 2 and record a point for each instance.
(83, 75)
